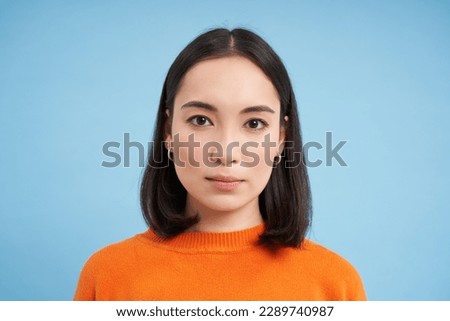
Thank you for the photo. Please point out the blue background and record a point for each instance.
(77, 74)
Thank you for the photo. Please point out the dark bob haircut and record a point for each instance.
(285, 203)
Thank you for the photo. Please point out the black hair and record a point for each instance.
(285, 203)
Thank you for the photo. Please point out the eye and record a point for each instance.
(199, 121)
(256, 124)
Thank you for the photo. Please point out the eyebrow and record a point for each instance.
(246, 110)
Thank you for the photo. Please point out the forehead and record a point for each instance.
(227, 82)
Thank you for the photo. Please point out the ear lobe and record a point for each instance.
(167, 127)
(282, 139)
(280, 148)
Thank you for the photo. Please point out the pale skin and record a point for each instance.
(229, 101)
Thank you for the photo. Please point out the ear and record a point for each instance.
(167, 128)
(282, 138)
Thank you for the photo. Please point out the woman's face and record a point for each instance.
(225, 133)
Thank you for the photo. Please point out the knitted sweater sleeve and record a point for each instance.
(357, 291)
(85, 290)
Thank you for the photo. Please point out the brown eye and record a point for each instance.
(199, 121)
(253, 124)
(256, 124)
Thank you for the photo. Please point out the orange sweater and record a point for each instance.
(216, 266)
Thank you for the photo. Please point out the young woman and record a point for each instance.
(227, 197)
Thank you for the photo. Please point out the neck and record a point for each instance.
(216, 220)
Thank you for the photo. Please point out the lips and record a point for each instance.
(225, 183)
(223, 178)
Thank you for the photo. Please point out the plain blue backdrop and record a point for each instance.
(77, 74)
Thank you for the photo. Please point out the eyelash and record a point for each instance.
(264, 124)
(192, 120)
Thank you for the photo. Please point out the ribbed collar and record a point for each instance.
(208, 241)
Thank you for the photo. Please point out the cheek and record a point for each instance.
(265, 165)
(262, 152)
(259, 175)
(187, 149)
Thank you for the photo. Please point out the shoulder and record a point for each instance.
(325, 255)
(332, 269)
(106, 267)
(113, 255)
(328, 260)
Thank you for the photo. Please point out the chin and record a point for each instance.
(226, 207)
(222, 202)
(227, 203)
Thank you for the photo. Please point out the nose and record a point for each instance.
(225, 150)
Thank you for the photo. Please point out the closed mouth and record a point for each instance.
(225, 179)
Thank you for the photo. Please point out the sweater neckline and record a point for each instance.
(209, 241)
